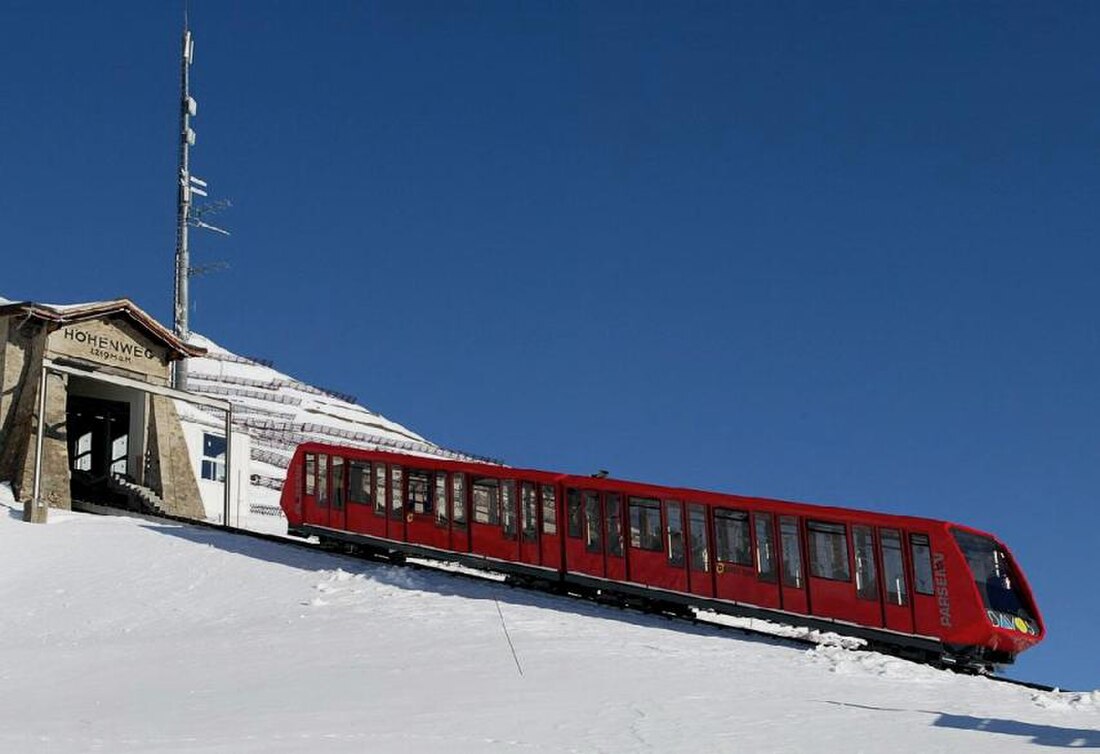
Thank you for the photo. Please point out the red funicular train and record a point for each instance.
(936, 590)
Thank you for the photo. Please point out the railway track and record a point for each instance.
(779, 633)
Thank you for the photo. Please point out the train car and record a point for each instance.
(932, 590)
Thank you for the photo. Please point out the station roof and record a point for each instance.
(65, 314)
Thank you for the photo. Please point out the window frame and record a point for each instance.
(915, 541)
(363, 470)
(730, 554)
(649, 510)
(830, 529)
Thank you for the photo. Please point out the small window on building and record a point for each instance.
(380, 476)
(420, 492)
(645, 523)
(866, 571)
(593, 524)
(458, 499)
(486, 501)
(359, 482)
(441, 499)
(893, 567)
(674, 514)
(337, 482)
(213, 457)
(765, 547)
(508, 508)
(613, 509)
(828, 551)
(397, 492)
(573, 512)
(922, 563)
(549, 510)
(732, 539)
(697, 533)
(792, 551)
(309, 474)
(529, 512)
(322, 480)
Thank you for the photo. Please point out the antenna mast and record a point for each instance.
(187, 215)
(188, 108)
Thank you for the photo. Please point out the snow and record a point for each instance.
(124, 634)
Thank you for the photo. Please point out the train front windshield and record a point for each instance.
(994, 575)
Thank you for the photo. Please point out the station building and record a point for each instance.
(99, 375)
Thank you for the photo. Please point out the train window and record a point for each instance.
(441, 498)
(645, 523)
(397, 491)
(593, 525)
(486, 501)
(549, 510)
(893, 567)
(322, 480)
(529, 513)
(359, 482)
(828, 551)
(866, 572)
(508, 517)
(458, 499)
(765, 546)
(420, 492)
(697, 532)
(922, 563)
(310, 473)
(337, 482)
(613, 509)
(380, 475)
(732, 536)
(792, 551)
(573, 512)
(674, 513)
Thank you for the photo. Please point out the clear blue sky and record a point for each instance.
(843, 253)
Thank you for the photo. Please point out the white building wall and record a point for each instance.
(212, 492)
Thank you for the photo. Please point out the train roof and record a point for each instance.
(648, 489)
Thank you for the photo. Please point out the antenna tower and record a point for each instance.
(187, 215)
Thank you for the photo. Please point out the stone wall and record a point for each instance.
(170, 473)
(22, 375)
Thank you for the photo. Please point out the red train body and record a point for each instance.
(931, 588)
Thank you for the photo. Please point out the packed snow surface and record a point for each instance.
(126, 635)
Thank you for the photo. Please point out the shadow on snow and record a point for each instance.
(443, 582)
(1041, 735)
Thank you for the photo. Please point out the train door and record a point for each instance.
(337, 511)
(867, 607)
(358, 516)
(657, 556)
(832, 592)
(493, 523)
(926, 609)
(614, 556)
(373, 520)
(897, 605)
(745, 568)
(528, 523)
(584, 532)
(421, 503)
(792, 574)
(550, 543)
(395, 523)
(315, 497)
(460, 511)
(699, 560)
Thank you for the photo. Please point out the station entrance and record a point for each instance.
(98, 434)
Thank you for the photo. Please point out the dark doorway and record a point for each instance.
(99, 446)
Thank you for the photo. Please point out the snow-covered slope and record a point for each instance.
(125, 635)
